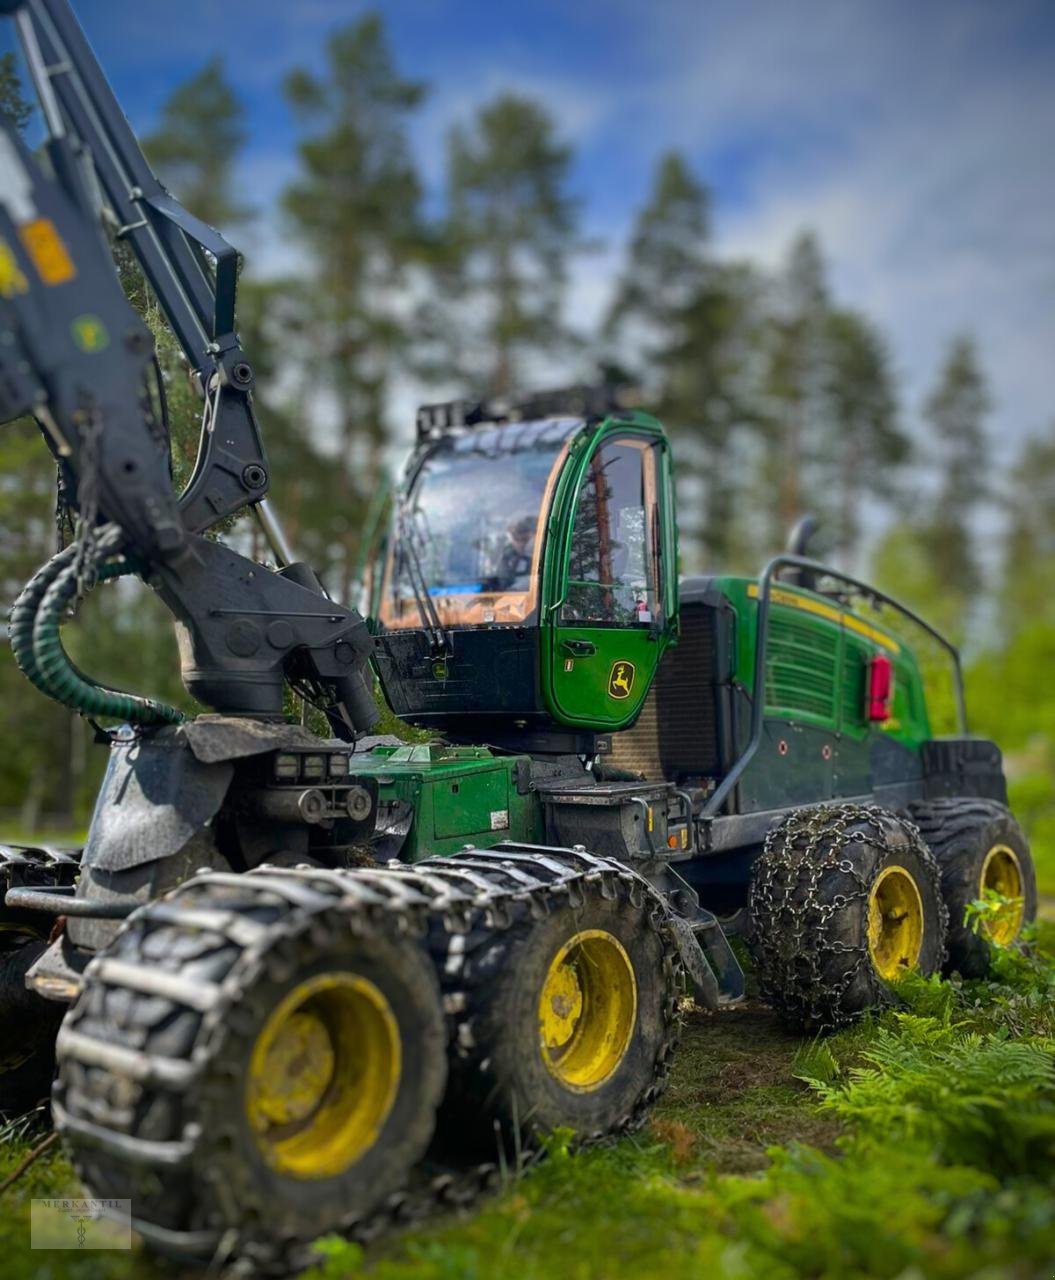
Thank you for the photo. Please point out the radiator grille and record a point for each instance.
(676, 735)
(801, 664)
(855, 671)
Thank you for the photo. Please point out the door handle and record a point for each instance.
(578, 648)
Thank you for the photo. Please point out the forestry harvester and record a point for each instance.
(299, 983)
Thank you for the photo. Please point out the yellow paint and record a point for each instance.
(12, 278)
(895, 923)
(821, 610)
(47, 251)
(1002, 874)
(587, 1010)
(323, 1075)
(89, 333)
(621, 679)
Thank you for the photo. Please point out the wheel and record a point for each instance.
(571, 1020)
(28, 1023)
(844, 900)
(980, 849)
(254, 1059)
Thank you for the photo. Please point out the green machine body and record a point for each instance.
(529, 587)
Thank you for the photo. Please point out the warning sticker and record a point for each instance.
(499, 819)
(45, 247)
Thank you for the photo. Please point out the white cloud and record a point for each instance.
(914, 140)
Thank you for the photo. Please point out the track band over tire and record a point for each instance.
(568, 1016)
(160, 1055)
(154, 1056)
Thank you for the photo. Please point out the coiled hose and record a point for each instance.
(35, 633)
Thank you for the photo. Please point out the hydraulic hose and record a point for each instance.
(35, 634)
(24, 612)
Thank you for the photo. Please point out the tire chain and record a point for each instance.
(791, 921)
(468, 896)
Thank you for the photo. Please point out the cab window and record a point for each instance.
(471, 533)
(612, 562)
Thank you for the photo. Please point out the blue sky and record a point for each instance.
(915, 138)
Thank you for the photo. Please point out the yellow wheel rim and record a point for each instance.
(1002, 874)
(587, 1010)
(323, 1075)
(895, 923)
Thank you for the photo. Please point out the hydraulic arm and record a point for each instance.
(76, 355)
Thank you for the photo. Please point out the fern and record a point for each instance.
(968, 1097)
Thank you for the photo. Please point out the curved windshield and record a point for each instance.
(469, 535)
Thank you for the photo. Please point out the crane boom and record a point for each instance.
(75, 354)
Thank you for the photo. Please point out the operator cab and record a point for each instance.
(529, 587)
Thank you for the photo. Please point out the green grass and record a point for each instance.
(920, 1143)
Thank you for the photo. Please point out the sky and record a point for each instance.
(914, 138)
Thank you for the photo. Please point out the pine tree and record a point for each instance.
(667, 262)
(866, 447)
(355, 206)
(688, 321)
(511, 232)
(795, 387)
(195, 146)
(956, 410)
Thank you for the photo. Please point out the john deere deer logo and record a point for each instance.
(621, 681)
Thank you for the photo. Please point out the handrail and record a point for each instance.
(758, 705)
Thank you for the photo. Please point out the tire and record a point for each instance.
(28, 1022)
(28, 1026)
(978, 845)
(570, 1022)
(844, 900)
(247, 1110)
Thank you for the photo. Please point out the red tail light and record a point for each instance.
(880, 688)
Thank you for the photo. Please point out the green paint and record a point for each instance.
(90, 335)
(577, 659)
(816, 666)
(460, 795)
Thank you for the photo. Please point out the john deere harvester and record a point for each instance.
(295, 983)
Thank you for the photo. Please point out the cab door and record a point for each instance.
(607, 627)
